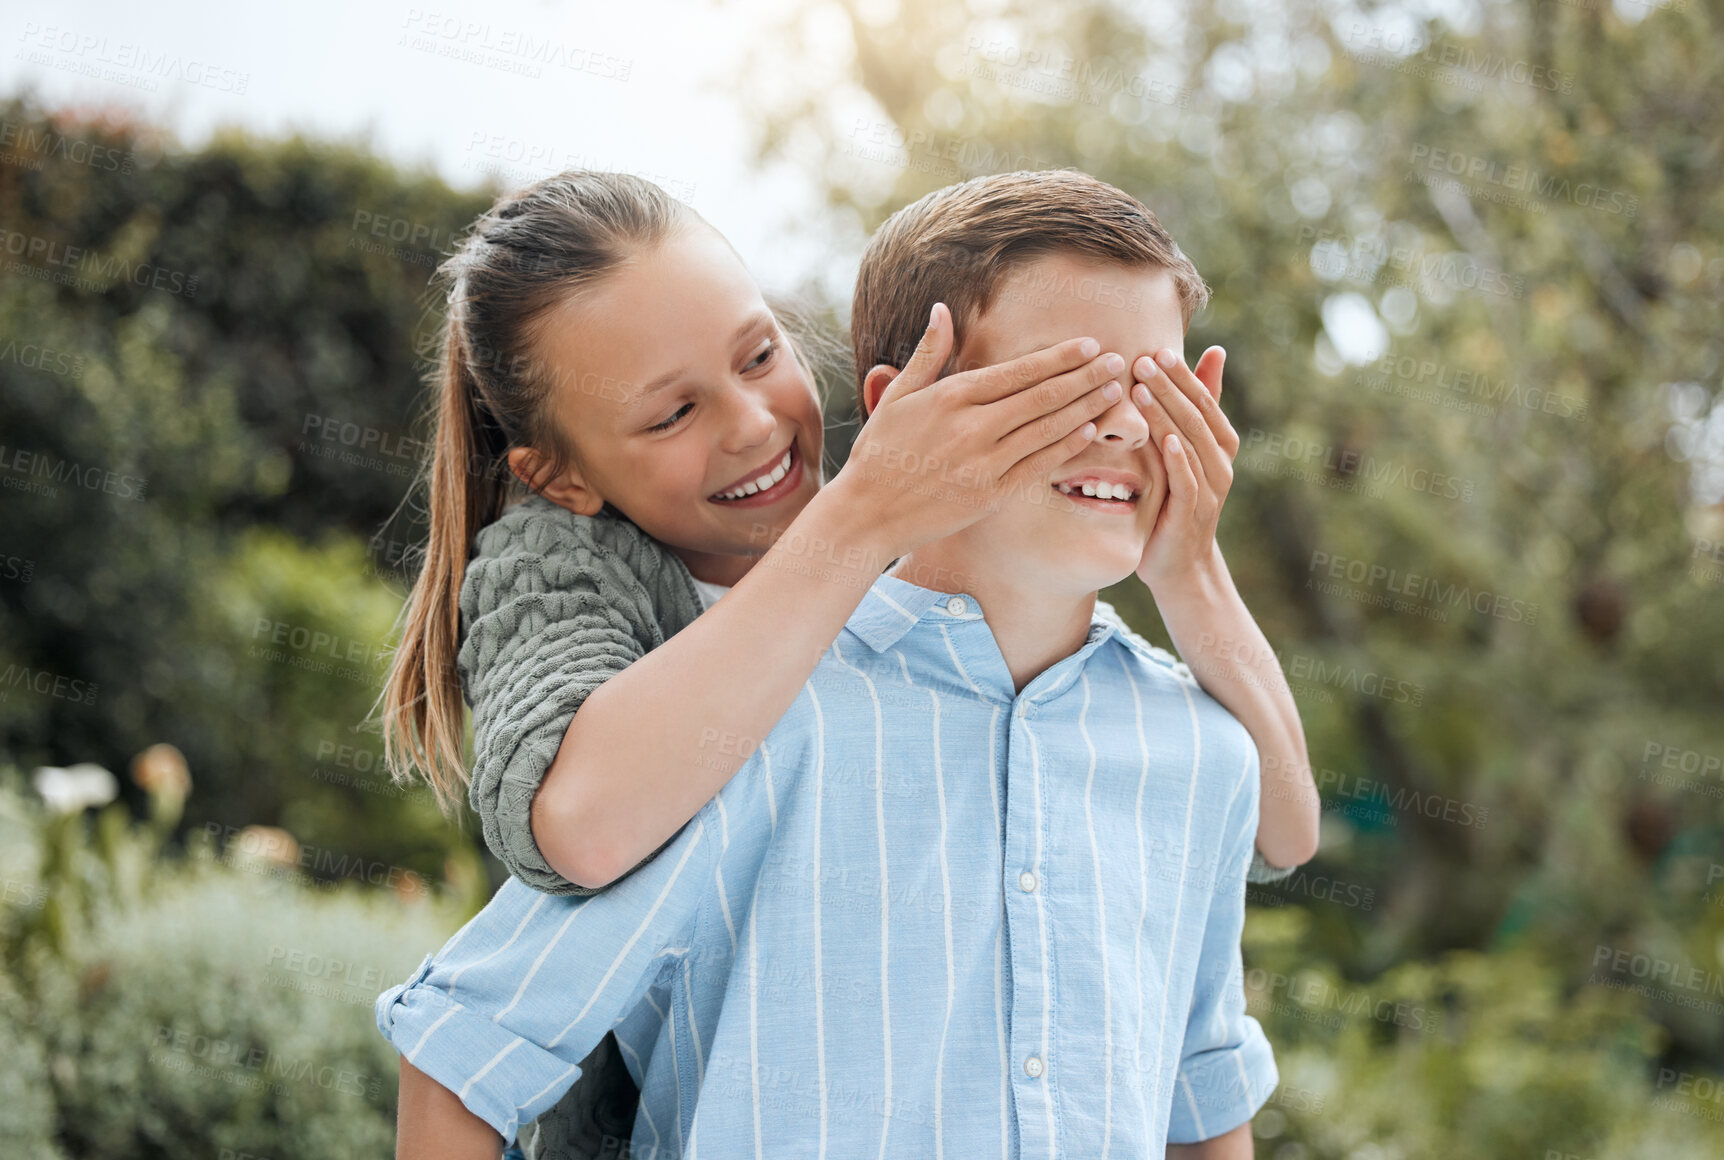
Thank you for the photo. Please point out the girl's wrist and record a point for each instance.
(849, 526)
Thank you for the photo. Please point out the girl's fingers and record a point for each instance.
(1016, 376)
(1161, 425)
(1039, 464)
(1203, 388)
(1208, 370)
(1027, 420)
(930, 355)
(1182, 483)
(1191, 407)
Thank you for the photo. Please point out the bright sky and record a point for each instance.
(525, 86)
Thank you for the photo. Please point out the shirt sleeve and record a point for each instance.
(1226, 1068)
(546, 622)
(505, 1012)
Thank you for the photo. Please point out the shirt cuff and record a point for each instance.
(501, 1078)
(1218, 1090)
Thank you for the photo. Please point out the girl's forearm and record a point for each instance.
(1220, 642)
(433, 1124)
(654, 743)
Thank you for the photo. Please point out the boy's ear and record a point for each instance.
(874, 385)
(569, 490)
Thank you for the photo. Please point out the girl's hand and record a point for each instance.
(1198, 445)
(936, 456)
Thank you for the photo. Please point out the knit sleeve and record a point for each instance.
(1262, 871)
(548, 616)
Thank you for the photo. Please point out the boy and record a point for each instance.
(875, 937)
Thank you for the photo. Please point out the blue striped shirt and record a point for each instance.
(930, 915)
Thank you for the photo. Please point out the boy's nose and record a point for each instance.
(1123, 424)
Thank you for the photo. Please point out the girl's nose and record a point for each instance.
(751, 421)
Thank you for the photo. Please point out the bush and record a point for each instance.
(171, 1007)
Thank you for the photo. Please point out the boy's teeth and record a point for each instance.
(755, 486)
(1099, 490)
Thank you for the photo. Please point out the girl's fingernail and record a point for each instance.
(1173, 444)
(1142, 395)
(1089, 348)
(1089, 430)
(1166, 359)
(933, 313)
(1111, 392)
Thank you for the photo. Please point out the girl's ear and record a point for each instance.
(569, 490)
(874, 385)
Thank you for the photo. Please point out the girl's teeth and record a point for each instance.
(755, 486)
(1089, 489)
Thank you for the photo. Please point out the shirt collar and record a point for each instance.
(893, 607)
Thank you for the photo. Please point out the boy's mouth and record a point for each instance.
(772, 481)
(1102, 490)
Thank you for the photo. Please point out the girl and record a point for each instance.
(607, 347)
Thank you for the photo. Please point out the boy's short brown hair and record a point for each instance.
(956, 244)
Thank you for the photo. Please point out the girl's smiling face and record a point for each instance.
(676, 393)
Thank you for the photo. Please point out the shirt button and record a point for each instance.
(956, 606)
(1033, 1067)
(1027, 881)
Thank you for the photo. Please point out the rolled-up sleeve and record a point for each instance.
(1226, 1068)
(505, 1012)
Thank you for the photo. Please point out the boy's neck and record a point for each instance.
(1036, 625)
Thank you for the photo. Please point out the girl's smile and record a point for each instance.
(767, 485)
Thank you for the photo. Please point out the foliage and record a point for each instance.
(209, 391)
(185, 1006)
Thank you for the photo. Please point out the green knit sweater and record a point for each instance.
(553, 605)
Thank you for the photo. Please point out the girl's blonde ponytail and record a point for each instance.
(523, 256)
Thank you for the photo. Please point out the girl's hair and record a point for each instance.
(529, 252)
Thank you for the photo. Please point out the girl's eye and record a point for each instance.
(764, 357)
(671, 422)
